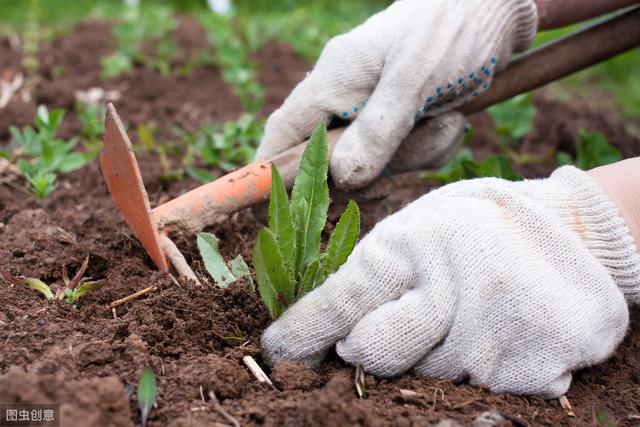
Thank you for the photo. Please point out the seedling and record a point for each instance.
(222, 275)
(74, 288)
(286, 256)
(232, 56)
(142, 37)
(92, 119)
(513, 118)
(462, 167)
(41, 155)
(147, 393)
(593, 150)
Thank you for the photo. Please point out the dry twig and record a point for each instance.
(131, 297)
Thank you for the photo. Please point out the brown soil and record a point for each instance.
(195, 337)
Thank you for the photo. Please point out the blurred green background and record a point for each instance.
(305, 24)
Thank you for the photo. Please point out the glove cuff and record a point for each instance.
(589, 211)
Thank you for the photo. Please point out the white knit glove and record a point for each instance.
(416, 59)
(511, 285)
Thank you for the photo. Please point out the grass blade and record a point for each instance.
(274, 282)
(280, 222)
(343, 238)
(213, 261)
(147, 393)
(311, 186)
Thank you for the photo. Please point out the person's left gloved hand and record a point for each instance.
(512, 285)
(416, 59)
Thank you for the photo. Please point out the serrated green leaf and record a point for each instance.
(239, 268)
(311, 186)
(147, 393)
(274, 283)
(213, 261)
(343, 239)
(280, 221)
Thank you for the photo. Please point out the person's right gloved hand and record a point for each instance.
(511, 285)
(416, 59)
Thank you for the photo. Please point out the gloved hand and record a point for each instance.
(416, 59)
(511, 285)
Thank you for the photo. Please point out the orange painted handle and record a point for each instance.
(211, 202)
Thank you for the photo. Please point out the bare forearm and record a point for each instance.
(558, 13)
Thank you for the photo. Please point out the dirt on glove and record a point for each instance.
(194, 338)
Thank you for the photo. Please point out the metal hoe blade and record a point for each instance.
(122, 175)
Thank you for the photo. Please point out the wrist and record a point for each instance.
(621, 182)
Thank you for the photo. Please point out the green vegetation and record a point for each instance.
(592, 150)
(73, 288)
(286, 256)
(462, 166)
(40, 155)
(142, 37)
(225, 146)
(222, 275)
(147, 394)
(232, 57)
(513, 118)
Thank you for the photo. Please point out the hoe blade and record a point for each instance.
(122, 175)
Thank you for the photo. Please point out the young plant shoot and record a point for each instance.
(147, 393)
(286, 256)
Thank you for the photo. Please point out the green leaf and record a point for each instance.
(514, 118)
(147, 393)
(202, 175)
(39, 286)
(145, 136)
(85, 287)
(213, 261)
(311, 277)
(594, 150)
(343, 239)
(240, 269)
(36, 284)
(563, 158)
(311, 186)
(452, 171)
(72, 162)
(274, 282)
(499, 167)
(280, 222)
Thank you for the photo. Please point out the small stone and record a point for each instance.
(489, 419)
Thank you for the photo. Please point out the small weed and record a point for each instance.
(74, 288)
(142, 37)
(232, 56)
(593, 150)
(603, 419)
(147, 394)
(513, 118)
(286, 256)
(462, 167)
(41, 155)
(92, 119)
